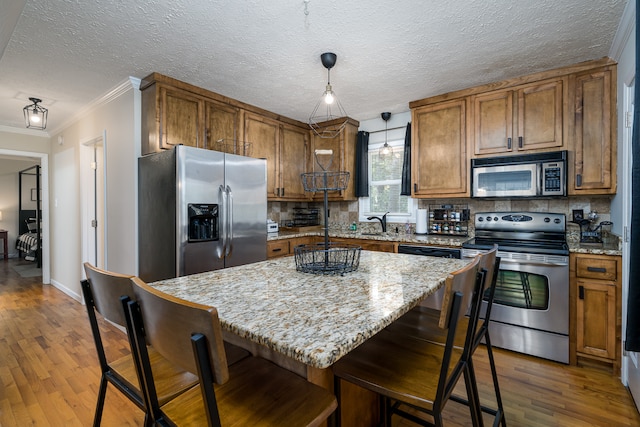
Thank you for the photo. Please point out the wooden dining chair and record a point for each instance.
(422, 323)
(102, 291)
(252, 392)
(413, 373)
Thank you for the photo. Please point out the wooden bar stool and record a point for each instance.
(413, 373)
(252, 392)
(102, 291)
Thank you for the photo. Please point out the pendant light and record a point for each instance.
(35, 116)
(328, 118)
(386, 150)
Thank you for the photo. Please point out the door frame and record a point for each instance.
(44, 183)
(93, 201)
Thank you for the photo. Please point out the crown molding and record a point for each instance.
(24, 131)
(624, 31)
(124, 87)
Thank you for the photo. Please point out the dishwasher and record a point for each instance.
(434, 301)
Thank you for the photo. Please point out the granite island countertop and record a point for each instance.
(314, 319)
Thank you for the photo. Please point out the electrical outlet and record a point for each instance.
(578, 215)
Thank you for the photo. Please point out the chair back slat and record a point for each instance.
(106, 289)
(169, 323)
(463, 281)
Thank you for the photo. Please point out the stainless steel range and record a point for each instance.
(530, 312)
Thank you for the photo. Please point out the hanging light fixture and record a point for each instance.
(35, 116)
(386, 150)
(328, 118)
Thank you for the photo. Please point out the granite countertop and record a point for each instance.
(314, 319)
(422, 239)
(439, 240)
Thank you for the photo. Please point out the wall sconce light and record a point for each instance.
(35, 116)
(386, 149)
(328, 118)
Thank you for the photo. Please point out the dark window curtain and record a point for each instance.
(361, 180)
(405, 188)
(632, 340)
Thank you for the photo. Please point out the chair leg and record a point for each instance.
(496, 386)
(102, 391)
(472, 394)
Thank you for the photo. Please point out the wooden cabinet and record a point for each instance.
(285, 247)
(294, 161)
(593, 170)
(529, 117)
(286, 149)
(595, 281)
(222, 128)
(368, 244)
(170, 116)
(264, 136)
(439, 150)
(344, 159)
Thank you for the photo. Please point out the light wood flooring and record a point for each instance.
(49, 372)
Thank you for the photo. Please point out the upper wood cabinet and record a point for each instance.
(286, 149)
(294, 161)
(593, 170)
(529, 117)
(439, 165)
(170, 116)
(264, 136)
(221, 128)
(344, 159)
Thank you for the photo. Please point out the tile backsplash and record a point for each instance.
(343, 214)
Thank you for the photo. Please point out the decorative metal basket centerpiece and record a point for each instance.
(327, 257)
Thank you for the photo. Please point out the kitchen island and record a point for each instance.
(306, 322)
(313, 319)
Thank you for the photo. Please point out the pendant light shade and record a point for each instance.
(328, 117)
(35, 116)
(386, 150)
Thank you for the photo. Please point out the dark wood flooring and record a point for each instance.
(49, 372)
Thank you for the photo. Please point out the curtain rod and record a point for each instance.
(383, 130)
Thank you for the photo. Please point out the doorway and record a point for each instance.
(44, 173)
(92, 169)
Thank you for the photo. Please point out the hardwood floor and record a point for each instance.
(49, 372)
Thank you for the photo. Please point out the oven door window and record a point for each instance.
(521, 289)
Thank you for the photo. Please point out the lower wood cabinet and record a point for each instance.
(284, 247)
(595, 283)
(369, 244)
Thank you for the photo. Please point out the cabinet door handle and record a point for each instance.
(415, 188)
(276, 250)
(581, 292)
(579, 180)
(597, 269)
(282, 195)
(509, 143)
(519, 142)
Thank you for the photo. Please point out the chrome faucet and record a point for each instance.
(383, 221)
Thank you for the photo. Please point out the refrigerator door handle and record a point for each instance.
(222, 197)
(229, 222)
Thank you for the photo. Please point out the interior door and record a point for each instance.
(93, 205)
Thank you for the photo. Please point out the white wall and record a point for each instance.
(118, 118)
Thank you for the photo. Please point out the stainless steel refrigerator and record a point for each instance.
(199, 210)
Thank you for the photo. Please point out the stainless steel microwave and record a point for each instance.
(527, 175)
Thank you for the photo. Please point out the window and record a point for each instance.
(385, 177)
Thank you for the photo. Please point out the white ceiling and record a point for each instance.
(267, 53)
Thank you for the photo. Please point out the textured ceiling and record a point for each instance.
(267, 53)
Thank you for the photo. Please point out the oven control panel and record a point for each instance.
(520, 221)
